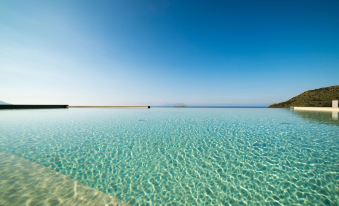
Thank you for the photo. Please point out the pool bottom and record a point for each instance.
(27, 183)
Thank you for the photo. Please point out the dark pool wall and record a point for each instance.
(26, 106)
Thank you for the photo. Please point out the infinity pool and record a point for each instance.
(183, 156)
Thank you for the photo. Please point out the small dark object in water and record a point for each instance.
(259, 145)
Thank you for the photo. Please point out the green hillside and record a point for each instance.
(321, 97)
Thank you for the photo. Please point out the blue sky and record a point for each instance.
(166, 52)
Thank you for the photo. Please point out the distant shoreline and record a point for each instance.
(209, 107)
(117, 107)
(12, 106)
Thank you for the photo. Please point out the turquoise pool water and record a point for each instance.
(185, 156)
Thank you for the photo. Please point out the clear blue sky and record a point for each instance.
(166, 52)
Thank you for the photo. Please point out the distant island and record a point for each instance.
(2, 102)
(321, 97)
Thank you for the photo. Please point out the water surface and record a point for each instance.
(195, 156)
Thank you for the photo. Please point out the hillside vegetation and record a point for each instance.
(321, 97)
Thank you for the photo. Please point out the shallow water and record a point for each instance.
(26, 183)
(184, 156)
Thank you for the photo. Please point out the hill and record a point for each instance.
(321, 97)
(2, 102)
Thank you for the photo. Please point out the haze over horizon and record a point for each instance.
(148, 52)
